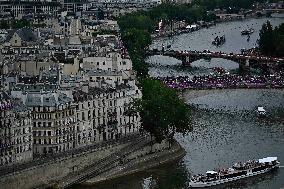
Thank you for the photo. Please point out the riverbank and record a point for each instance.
(225, 81)
(192, 94)
(142, 163)
(206, 25)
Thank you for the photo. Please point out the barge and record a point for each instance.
(236, 172)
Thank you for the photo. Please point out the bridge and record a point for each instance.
(274, 10)
(187, 57)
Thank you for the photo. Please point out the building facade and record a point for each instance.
(16, 140)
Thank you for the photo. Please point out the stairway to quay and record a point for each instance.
(92, 164)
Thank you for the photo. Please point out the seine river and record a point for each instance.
(225, 126)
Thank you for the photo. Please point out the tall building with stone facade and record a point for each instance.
(53, 120)
(16, 140)
(101, 113)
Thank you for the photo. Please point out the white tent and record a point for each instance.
(194, 26)
(211, 172)
(267, 159)
(260, 109)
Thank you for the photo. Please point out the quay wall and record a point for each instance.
(62, 169)
(146, 158)
(41, 176)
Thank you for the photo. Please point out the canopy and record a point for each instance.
(191, 26)
(267, 159)
(211, 172)
(260, 109)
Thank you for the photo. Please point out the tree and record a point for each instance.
(163, 113)
(4, 24)
(266, 39)
(271, 40)
(136, 41)
(20, 23)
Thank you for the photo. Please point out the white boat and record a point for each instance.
(238, 171)
(247, 32)
(261, 111)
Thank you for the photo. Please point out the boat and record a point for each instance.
(236, 172)
(261, 111)
(219, 40)
(247, 31)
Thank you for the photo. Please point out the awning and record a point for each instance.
(267, 159)
(211, 172)
(260, 109)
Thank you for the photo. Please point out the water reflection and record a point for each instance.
(239, 100)
(203, 38)
(167, 66)
(219, 139)
(225, 126)
(216, 62)
(170, 176)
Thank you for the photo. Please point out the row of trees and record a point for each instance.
(271, 40)
(162, 112)
(228, 4)
(137, 27)
(14, 24)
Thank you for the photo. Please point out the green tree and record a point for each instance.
(266, 39)
(136, 41)
(20, 23)
(271, 41)
(4, 24)
(279, 41)
(163, 113)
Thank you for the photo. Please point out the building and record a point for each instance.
(53, 116)
(16, 140)
(24, 7)
(101, 113)
(22, 37)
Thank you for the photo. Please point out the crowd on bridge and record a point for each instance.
(244, 55)
(225, 81)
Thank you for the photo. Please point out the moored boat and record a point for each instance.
(247, 31)
(261, 111)
(219, 40)
(236, 172)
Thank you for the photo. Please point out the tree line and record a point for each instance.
(14, 24)
(271, 40)
(162, 112)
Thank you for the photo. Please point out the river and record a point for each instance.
(202, 40)
(225, 126)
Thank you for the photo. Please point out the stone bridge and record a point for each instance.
(187, 57)
(275, 10)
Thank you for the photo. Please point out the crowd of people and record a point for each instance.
(246, 165)
(225, 81)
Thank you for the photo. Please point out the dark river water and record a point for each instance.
(225, 126)
(202, 40)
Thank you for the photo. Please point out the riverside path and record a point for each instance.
(104, 164)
